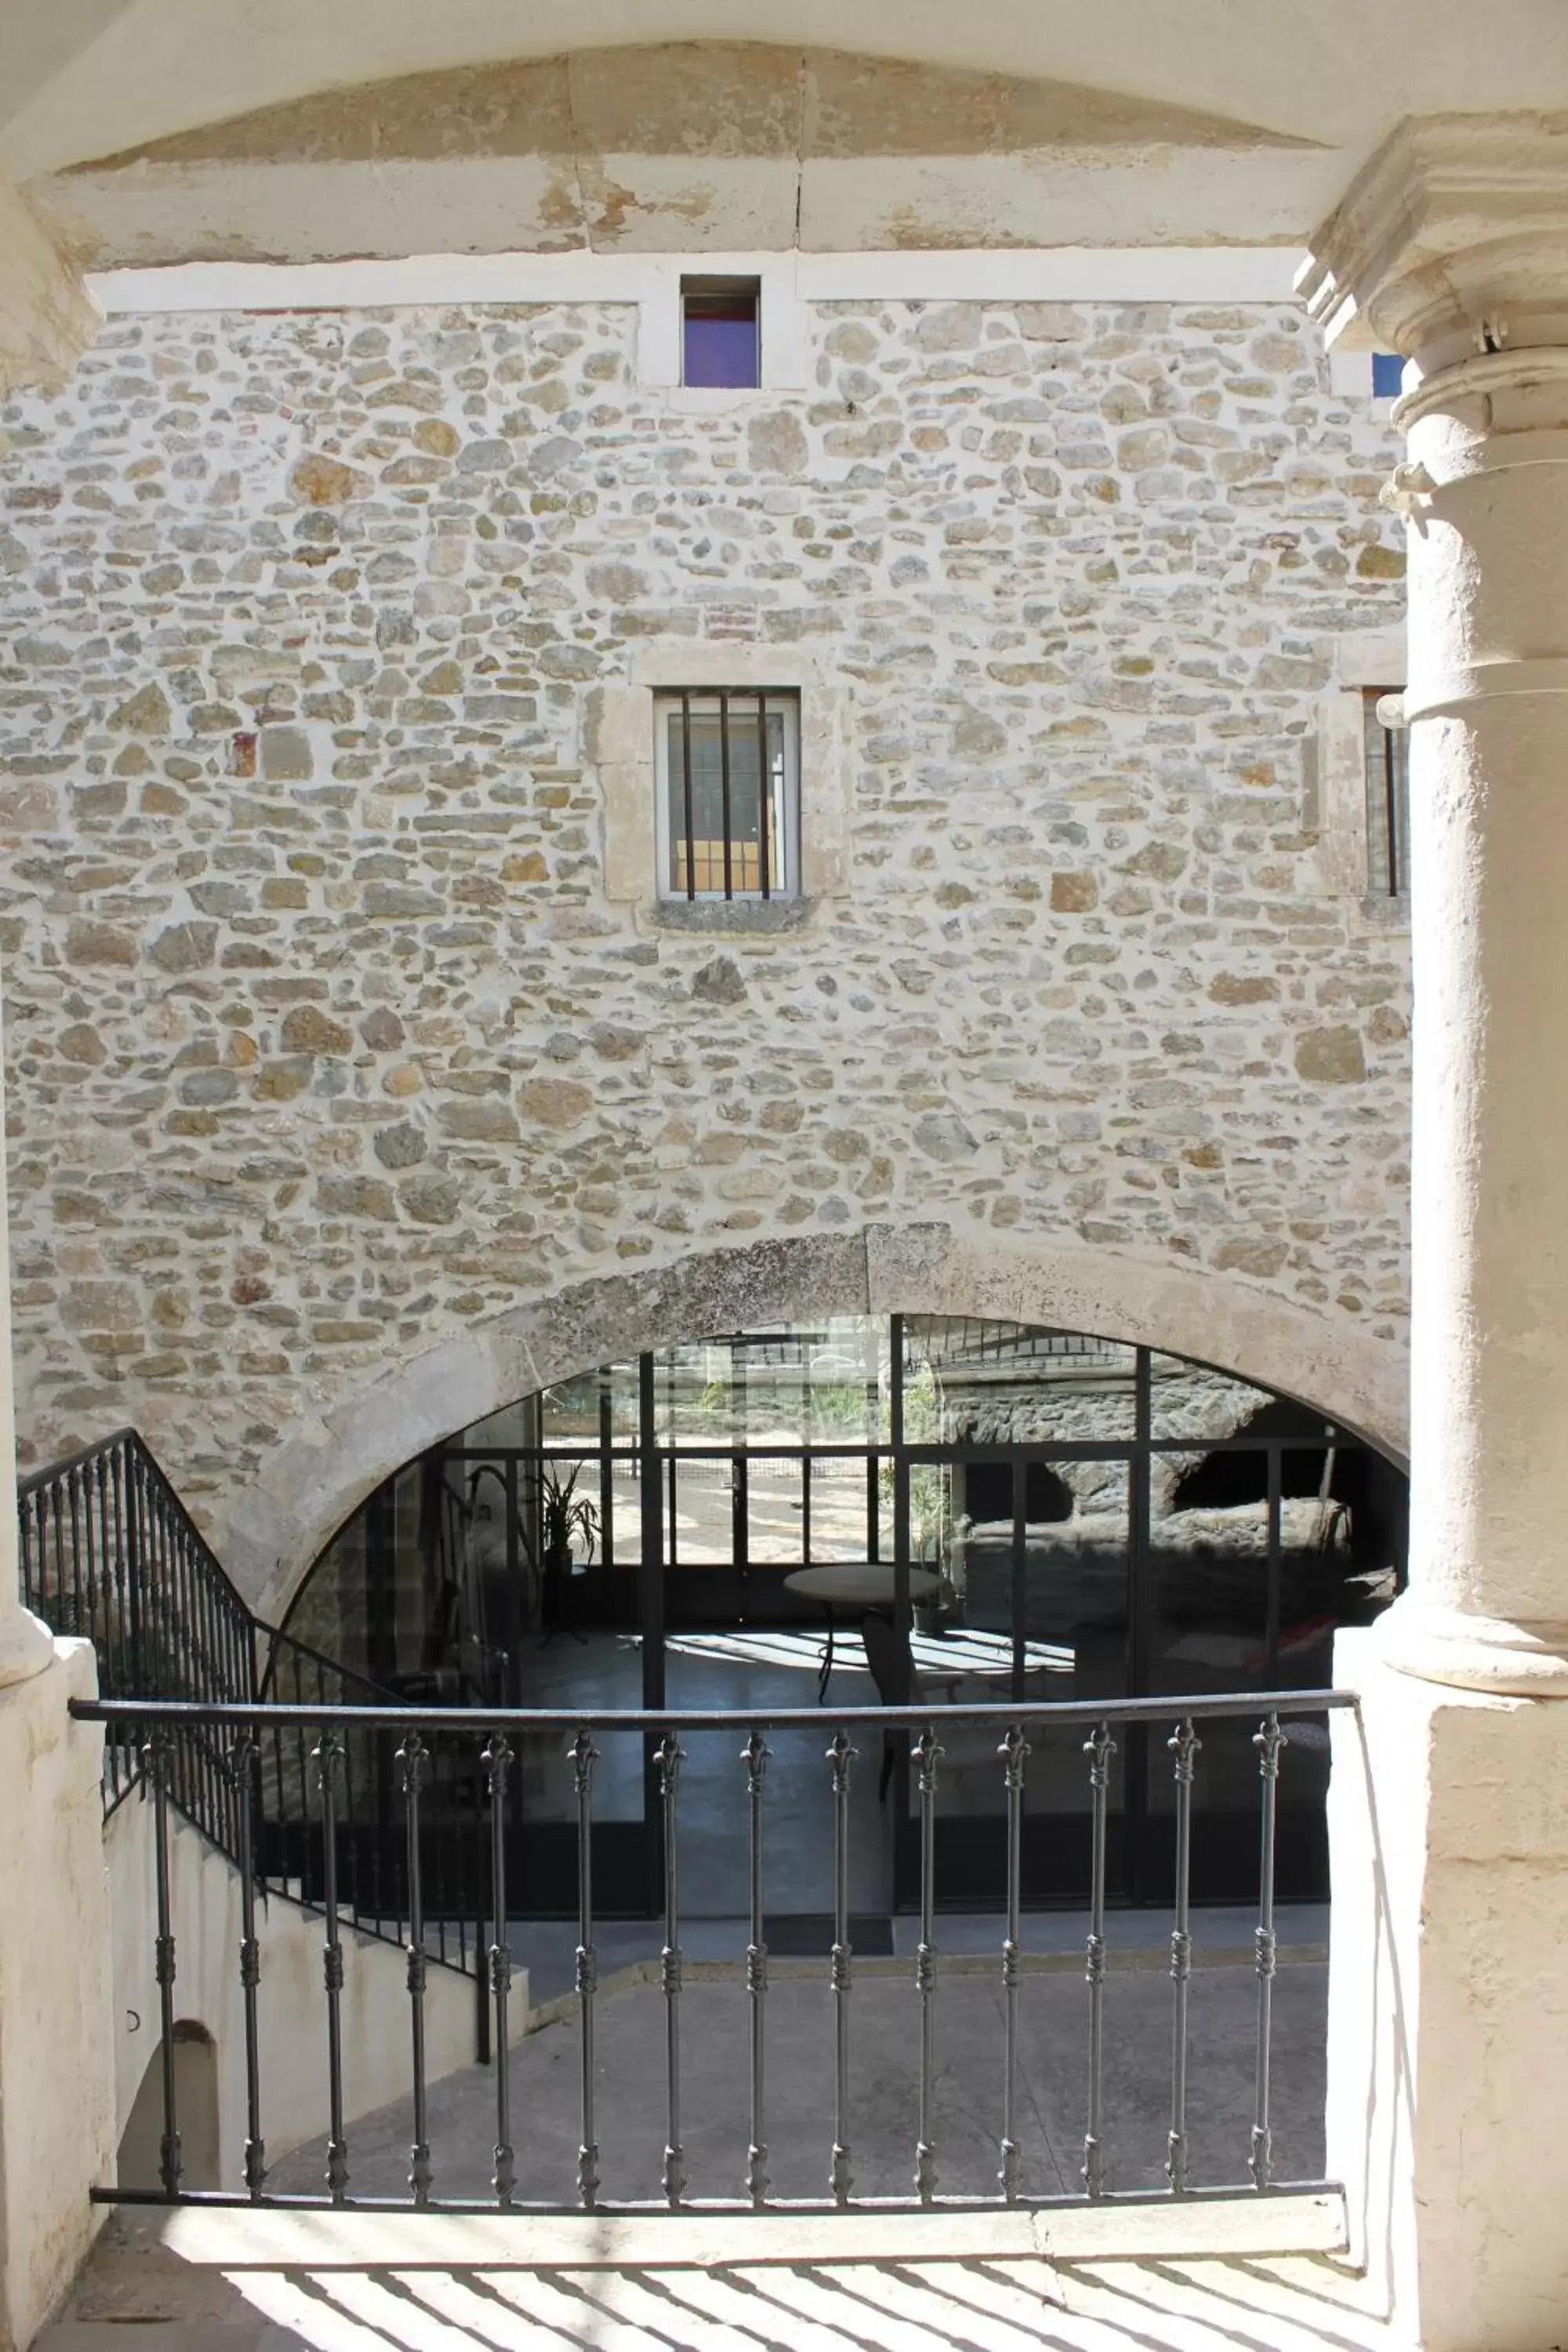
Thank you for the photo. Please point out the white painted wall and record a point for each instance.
(56, 2118)
(205, 1918)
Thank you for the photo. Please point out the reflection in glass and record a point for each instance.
(1081, 1519)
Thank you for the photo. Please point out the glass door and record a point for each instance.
(1028, 1498)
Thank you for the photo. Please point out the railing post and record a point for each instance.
(329, 1758)
(414, 1763)
(755, 1758)
(243, 1767)
(1269, 1740)
(670, 1756)
(1015, 1749)
(1100, 1748)
(155, 1757)
(497, 1759)
(1183, 1747)
(927, 1752)
(584, 1756)
(841, 1755)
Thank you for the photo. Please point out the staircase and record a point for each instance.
(109, 1553)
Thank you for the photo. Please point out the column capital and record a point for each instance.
(1453, 241)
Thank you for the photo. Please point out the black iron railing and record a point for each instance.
(425, 1754)
(302, 1686)
(109, 1552)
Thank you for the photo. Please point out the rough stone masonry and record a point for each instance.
(326, 1040)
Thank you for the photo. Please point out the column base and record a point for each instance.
(1523, 1659)
(57, 2012)
(1449, 2004)
(26, 1647)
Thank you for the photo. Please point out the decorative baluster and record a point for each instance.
(584, 1756)
(242, 1768)
(415, 1764)
(671, 1756)
(1183, 1747)
(156, 1758)
(755, 1757)
(1100, 1748)
(1015, 1749)
(327, 1756)
(840, 1755)
(497, 1759)
(928, 1750)
(1269, 1740)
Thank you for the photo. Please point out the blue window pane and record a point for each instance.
(1387, 373)
(721, 346)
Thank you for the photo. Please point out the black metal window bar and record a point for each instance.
(730, 761)
(491, 1753)
(1388, 794)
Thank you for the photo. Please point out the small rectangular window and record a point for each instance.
(1388, 376)
(1387, 742)
(721, 333)
(729, 795)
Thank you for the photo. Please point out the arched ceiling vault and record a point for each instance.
(165, 130)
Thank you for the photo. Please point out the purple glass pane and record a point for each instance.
(722, 350)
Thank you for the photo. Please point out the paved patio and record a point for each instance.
(630, 2076)
(1256, 2302)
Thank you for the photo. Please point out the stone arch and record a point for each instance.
(275, 1528)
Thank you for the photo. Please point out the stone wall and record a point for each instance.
(327, 1041)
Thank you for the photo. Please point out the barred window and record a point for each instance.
(1388, 745)
(729, 795)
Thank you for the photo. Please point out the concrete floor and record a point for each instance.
(236, 2297)
(631, 2093)
(746, 1669)
(548, 1947)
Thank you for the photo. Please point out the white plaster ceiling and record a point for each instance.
(1106, 121)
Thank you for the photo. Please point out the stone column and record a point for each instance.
(1448, 1999)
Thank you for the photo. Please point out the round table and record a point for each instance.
(860, 1585)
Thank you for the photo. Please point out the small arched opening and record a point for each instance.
(196, 2101)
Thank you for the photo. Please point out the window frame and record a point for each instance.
(723, 290)
(714, 700)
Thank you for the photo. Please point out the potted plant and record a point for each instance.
(567, 1521)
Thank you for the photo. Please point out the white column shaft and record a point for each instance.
(1489, 698)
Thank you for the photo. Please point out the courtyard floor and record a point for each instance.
(231, 2298)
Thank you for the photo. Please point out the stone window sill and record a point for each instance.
(1385, 914)
(732, 917)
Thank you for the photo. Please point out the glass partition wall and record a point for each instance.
(917, 1509)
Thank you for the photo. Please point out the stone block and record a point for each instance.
(287, 755)
(325, 482)
(1330, 1057)
(307, 1030)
